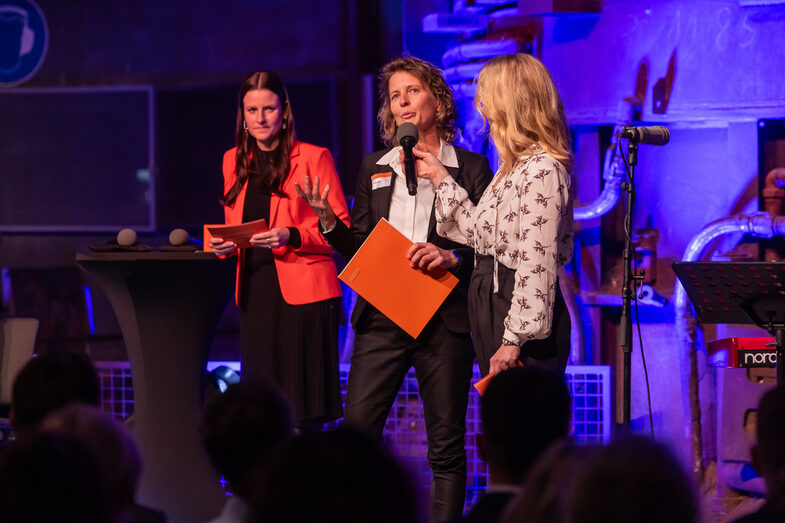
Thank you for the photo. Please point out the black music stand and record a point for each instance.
(739, 292)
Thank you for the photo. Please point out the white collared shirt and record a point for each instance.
(410, 215)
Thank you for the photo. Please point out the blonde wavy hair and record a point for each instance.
(518, 100)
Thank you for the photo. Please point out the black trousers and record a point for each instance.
(442, 360)
(487, 311)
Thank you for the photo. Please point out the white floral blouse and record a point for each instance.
(524, 220)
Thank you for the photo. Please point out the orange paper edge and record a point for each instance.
(481, 385)
(239, 234)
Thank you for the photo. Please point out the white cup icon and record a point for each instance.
(16, 38)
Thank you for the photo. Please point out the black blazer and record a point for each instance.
(473, 174)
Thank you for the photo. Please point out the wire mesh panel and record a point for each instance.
(117, 393)
(590, 389)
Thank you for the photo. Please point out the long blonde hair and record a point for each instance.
(516, 96)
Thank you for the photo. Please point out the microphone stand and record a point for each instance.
(625, 324)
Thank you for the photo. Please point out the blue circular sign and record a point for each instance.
(24, 40)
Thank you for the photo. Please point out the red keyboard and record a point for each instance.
(742, 352)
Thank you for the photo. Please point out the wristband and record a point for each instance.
(505, 341)
(458, 263)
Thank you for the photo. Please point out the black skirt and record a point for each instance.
(487, 311)
(294, 346)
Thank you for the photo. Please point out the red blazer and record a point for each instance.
(306, 274)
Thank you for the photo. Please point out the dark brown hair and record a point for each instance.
(247, 146)
(432, 78)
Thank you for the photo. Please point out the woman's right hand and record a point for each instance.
(318, 201)
(220, 247)
(428, 166)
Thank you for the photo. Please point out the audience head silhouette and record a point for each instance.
(243, 428)
(336, 476)
(524, 410)
(632, 480)
(548, 484)
(769, 451)
(48, 383)
(118, 456)
(51, 476)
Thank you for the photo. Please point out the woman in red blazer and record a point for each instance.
(287, 285)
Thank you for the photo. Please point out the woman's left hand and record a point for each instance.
(271, 239)
(505, 358)
(428, 257)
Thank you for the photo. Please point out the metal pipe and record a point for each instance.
(464, 89)
(577, 337)
(759, 224)
(613, 173)
(479, 49)
(773, 197)
(613, 169)
(463, 72)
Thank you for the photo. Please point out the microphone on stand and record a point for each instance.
(654, 135)
(407, 136)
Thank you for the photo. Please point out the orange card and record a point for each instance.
(239, 234)
(381, 273)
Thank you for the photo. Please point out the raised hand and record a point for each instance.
(317, 200)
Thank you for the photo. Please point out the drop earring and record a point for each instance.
(245, 127)
(283, 126)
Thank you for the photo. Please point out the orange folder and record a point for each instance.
(239, 234)
(381, 273)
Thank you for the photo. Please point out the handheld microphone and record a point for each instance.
(407, 136)
(181, 237)
(654, 135)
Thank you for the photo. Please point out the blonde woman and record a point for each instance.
(521, 229)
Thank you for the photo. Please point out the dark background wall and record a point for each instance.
(193, 55)
(190, 57)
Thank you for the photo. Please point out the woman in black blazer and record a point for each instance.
(412, 90)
